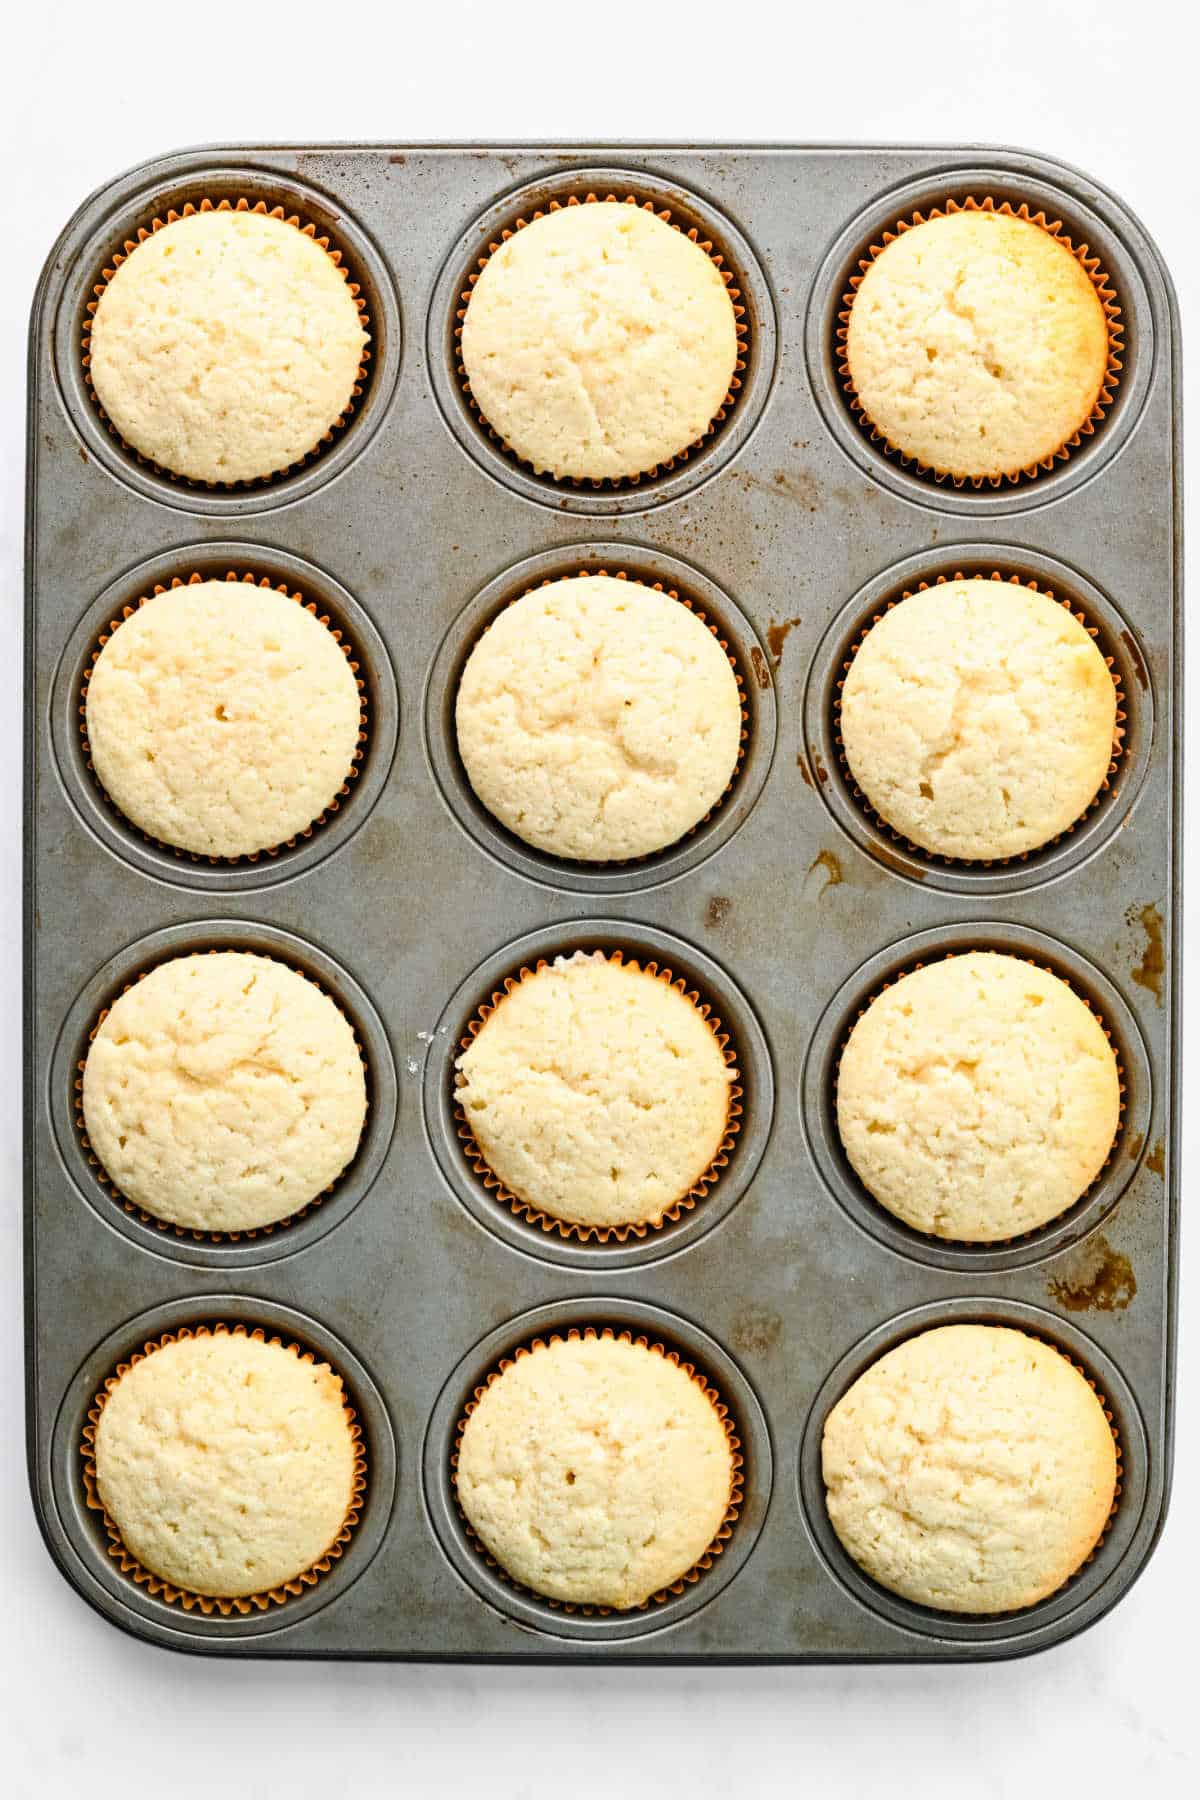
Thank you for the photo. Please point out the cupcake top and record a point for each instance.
(222, 718)
(223, 1092)
(972, 1468)
(597, 1092)
(226, 1463)
(978, 718)
(226, 346)
(598, 719)
(978, 1097)
(599, 341)
(595, 1471)
(977, 344)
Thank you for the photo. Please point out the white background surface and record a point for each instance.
(89, 90)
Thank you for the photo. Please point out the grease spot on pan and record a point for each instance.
(826, 860)
(1136, 659)
(1149, 972)
(777, 635)
(758, 663)
(756, 1331)
(1099, 1279)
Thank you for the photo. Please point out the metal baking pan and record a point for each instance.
(789, 905)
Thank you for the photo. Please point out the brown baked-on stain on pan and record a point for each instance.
(1098, 1279)
(1149, 972)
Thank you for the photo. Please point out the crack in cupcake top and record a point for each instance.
(596, 1091)
(972, 1468)
(599, 720)
(977, 344)
(224, 1092)
(599, 342)
(979, 719)
(978, 1097)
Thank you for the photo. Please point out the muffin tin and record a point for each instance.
(785, 909)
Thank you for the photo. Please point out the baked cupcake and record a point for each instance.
(223, 1092)
(598, 719)
(228, 1465)
(597, 1092)
(972, 1469)
(223, 718)
(599, 342)
(979, 719)
(978, 1097)
(226, 346)
(597, 1471)
(977, 344)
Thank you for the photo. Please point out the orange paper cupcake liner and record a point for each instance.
(191, 1233)
(171, 217)
(603, 1234)
(1119, 1476)
(1105, 292)
(733, 1508)
(936, 857)
(186, 1598)
(1022, 1237)
(672, 593)
(610, 483)
(193, 579)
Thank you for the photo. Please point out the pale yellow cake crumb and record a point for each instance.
(226, 1463)
(972, 1469)
(977, 344)
(597, 1092)
(598, 719)
(226, 345)
(595, 1471)
(222, 718)
(978, 1097)
(599, 341)
(978, 718)
(223, 1092)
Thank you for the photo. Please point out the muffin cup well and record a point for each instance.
(171, 217)
(609, 483)
(938, 857)
(683, 599)
(1092, 268)
(191, 579)
(157, 1585)
(733, 1507)
(603, 1234)
(989, 1619)
(188, 1232)
(1022, 1237)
